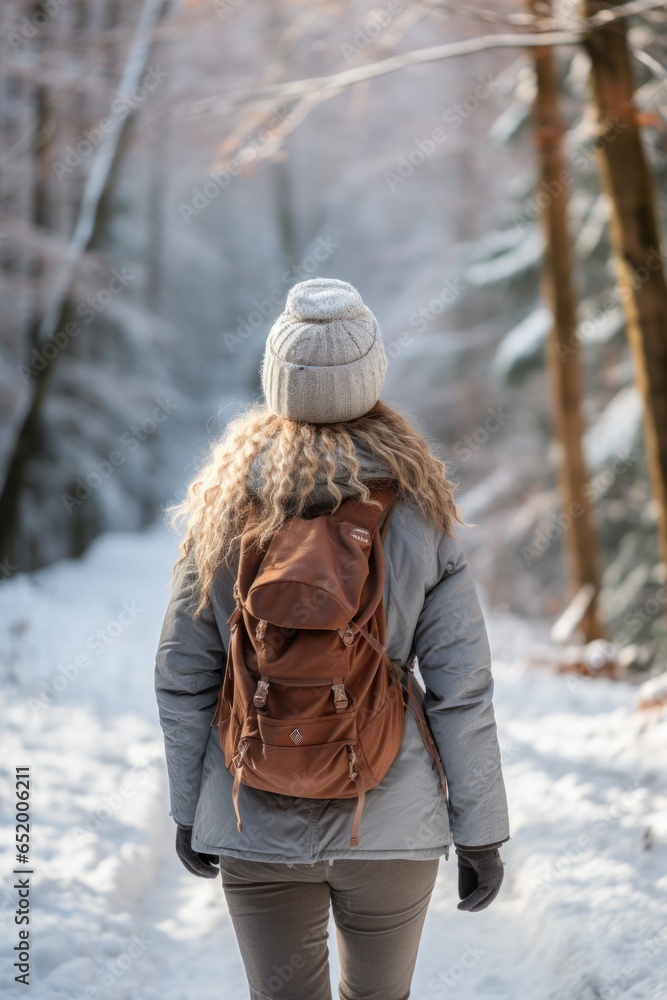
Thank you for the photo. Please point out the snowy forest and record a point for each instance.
(493, 179)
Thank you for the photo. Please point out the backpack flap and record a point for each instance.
(313, 593)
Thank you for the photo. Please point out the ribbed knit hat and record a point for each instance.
(324, 360)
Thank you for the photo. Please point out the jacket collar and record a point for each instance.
(371, 468)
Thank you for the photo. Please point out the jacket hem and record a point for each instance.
(390, 854)
(482, 847)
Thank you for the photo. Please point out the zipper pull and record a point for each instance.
(340, 697)
(259, 701)
(240, 753)
(351, 756)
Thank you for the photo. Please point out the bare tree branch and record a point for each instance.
(294, 89)
(656, 67)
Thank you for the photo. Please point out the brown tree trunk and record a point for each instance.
(636, 240)
(563, 355)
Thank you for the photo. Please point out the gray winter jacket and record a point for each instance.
(429, 597)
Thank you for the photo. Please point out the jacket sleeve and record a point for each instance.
(188, 673)
(454, 658)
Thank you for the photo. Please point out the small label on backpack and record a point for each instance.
(296, 735)
(361, 534)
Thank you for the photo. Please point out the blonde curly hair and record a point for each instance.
(265, 469)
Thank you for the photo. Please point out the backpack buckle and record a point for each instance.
(237, 613)
(234, 618)
(347, 635)
(340, 697)
(261, 693)
(260, 632)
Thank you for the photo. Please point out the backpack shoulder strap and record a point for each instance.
(364, 514)
(384, 525)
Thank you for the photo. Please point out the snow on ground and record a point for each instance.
(582, 914)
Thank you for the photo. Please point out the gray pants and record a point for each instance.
(280, 914)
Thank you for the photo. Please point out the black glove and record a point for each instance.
(481, 875)
(203, 865)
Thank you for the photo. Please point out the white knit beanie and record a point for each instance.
(324, 360)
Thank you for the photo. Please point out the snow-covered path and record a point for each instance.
(582, 915)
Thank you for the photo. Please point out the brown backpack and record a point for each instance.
(311, 705)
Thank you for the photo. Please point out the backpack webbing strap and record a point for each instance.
(237, 762)
(413, 704)
(358, 779)
(235, 798)
(355, 627)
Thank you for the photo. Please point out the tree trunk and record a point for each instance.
(29, 438)
(636, 240)
(157, 199)
(563, 354)
(281, 166)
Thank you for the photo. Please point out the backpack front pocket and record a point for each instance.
(315, 772)
(306, 732)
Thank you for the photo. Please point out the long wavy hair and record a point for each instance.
(265, 469)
